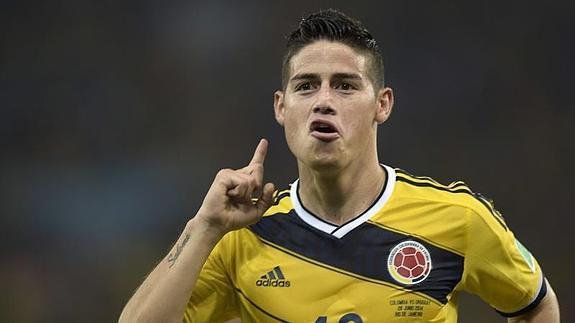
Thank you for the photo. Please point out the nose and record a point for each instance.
(324, 103)
(323, 109)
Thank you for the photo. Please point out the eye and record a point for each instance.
(306, 86)
(345, 86)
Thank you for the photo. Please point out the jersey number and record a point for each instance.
(347, 318)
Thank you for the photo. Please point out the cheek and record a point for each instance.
(294, 119)
(293, 135)
(360, 130)
(290, 125)
(360, 122)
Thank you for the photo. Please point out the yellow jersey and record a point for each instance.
(405, 259)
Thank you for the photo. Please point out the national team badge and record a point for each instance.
(409, 262)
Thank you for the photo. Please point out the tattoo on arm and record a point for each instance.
(174, 255)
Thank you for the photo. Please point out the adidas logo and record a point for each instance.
(274, 278)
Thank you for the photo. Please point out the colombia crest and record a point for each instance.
(409, 262)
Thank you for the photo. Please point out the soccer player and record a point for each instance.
(351, 240)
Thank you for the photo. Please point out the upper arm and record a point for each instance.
(546, 312)
(498, 268)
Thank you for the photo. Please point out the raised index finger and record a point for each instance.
(260, 153)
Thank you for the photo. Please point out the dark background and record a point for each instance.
(116, 115)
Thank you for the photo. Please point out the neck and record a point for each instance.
(341, 195)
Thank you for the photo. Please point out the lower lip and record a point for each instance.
(325, 136)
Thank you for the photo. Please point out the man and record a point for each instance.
(351, 240)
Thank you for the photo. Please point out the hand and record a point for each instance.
(228, 204)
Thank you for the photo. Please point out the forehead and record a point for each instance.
(327, 57)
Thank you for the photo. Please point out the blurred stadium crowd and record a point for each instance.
(115, 116)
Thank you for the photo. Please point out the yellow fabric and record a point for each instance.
(448, 217)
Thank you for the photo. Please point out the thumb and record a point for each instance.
(266, 199)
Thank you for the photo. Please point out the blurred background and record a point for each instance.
(116, 115)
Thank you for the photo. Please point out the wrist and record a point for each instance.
(200, 227)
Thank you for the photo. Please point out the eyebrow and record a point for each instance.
(337, 76)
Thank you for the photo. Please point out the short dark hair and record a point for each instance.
(334, 25)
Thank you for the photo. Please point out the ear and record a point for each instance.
(384, 104)
(279, 107)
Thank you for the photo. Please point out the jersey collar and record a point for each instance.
(340, 231)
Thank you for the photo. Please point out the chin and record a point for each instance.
(318, 157)
(325, 162)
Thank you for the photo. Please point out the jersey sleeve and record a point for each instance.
(213, 298)
(498, 268)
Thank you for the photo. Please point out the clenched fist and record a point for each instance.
(228, 205)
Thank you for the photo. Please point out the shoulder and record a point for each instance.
(282, 202)
(457, 194)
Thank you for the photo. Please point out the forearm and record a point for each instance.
(163, 296)
(228, 206)
(546, 312)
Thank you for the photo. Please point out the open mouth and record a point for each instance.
(322, 127)
(324, 131)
